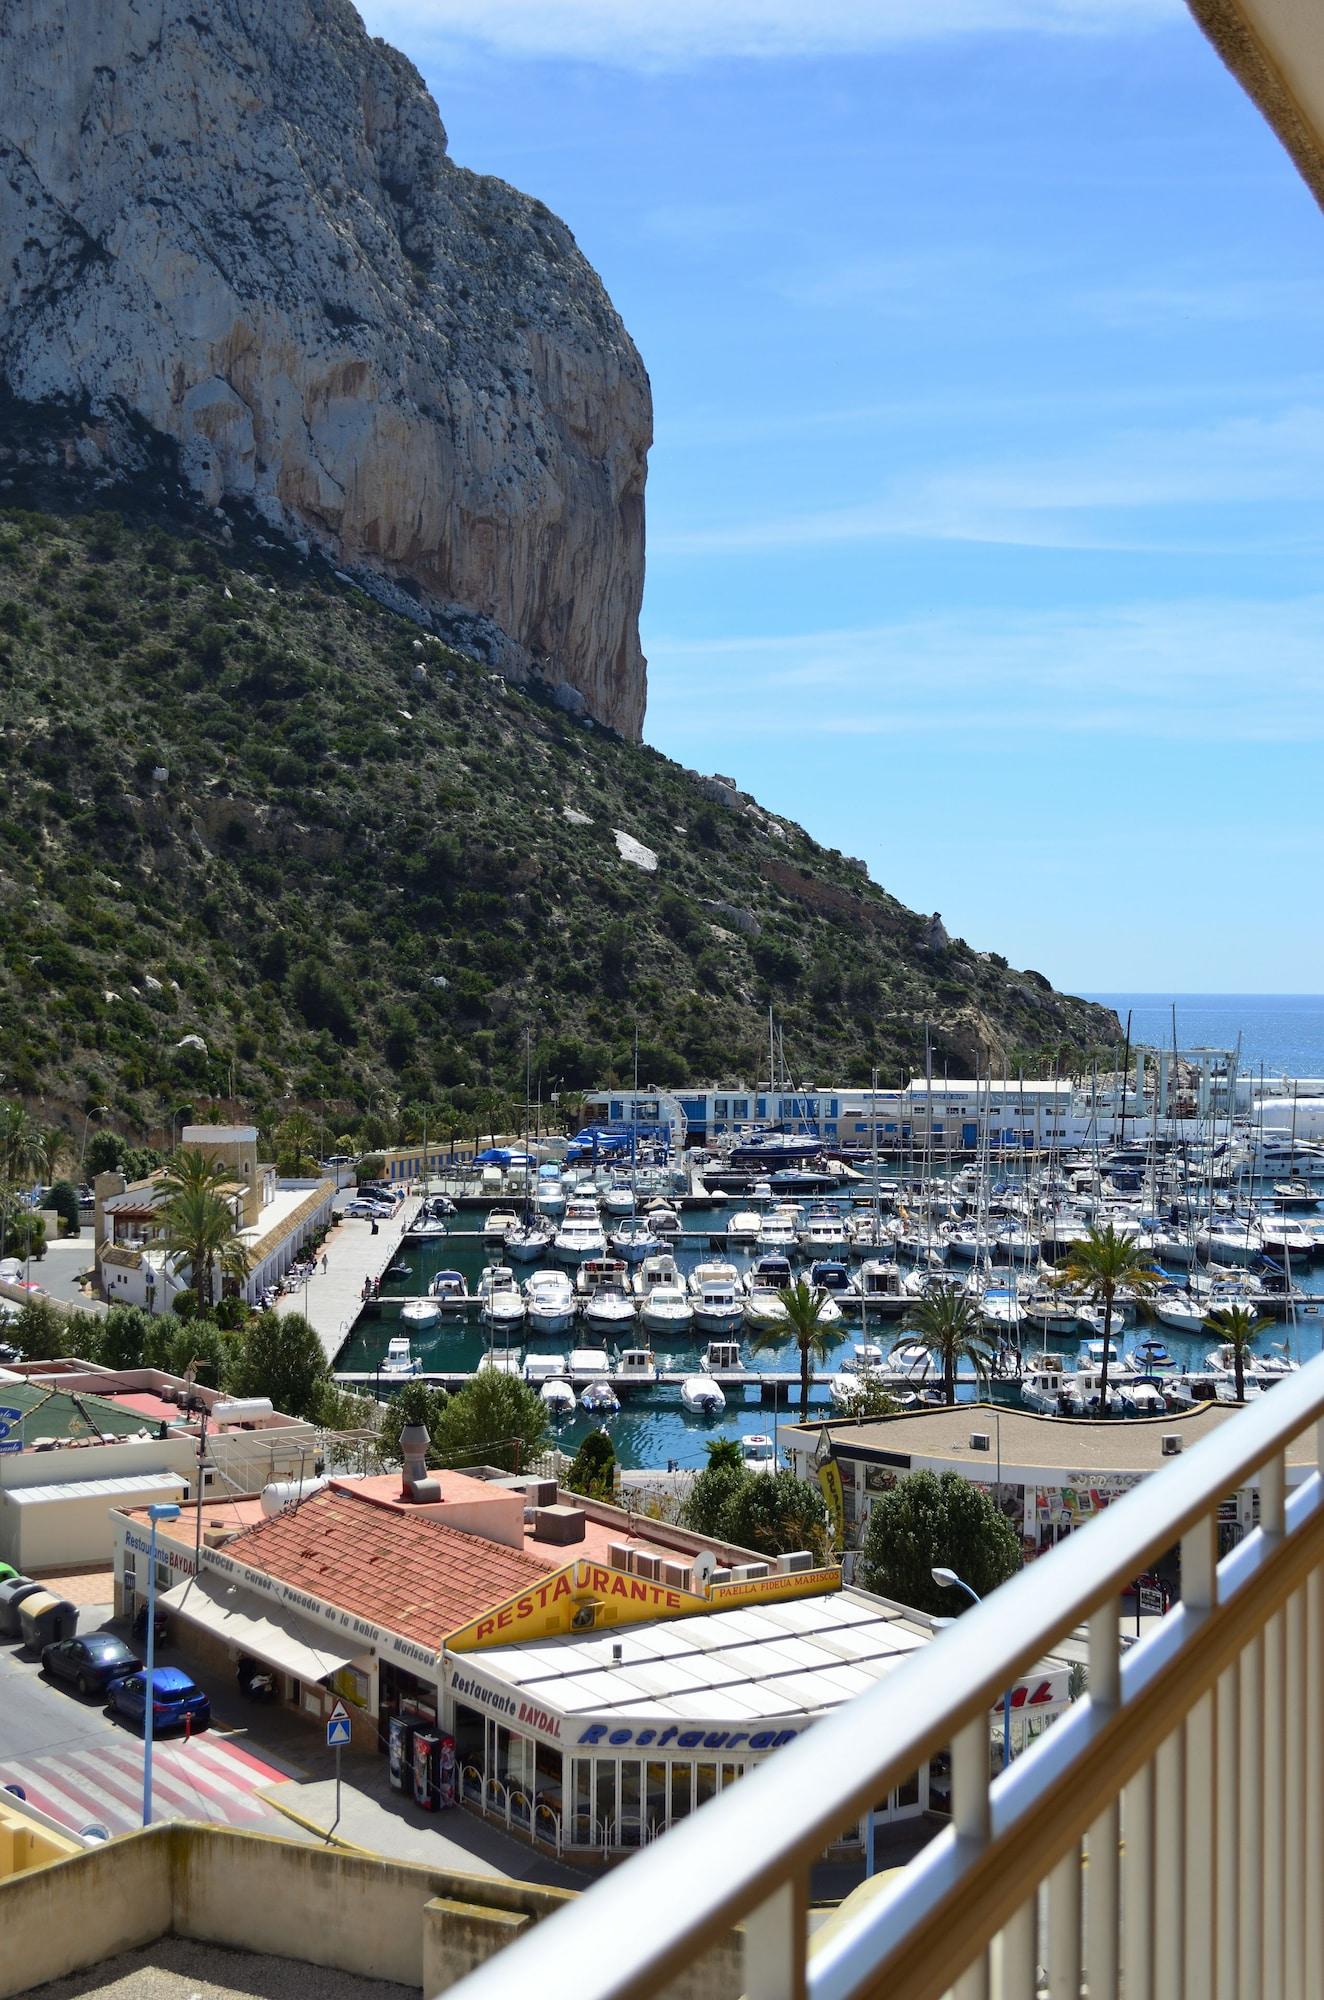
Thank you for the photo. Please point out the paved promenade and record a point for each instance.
(332, 1298)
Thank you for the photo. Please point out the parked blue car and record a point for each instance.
(175, 1699)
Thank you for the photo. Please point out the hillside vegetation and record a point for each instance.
(263, 841)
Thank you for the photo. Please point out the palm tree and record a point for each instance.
(947, 1323)
(296, 1142)
(1238, 1329)
(1108, 1261)
(52, 1143)
(19, 1159)
(198, 1225)
(815, 1340)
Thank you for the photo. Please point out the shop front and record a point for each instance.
(598, 1745)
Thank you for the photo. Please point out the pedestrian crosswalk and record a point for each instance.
(207, 1777)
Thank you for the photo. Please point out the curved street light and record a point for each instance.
(97, 1111)
(947, 1579)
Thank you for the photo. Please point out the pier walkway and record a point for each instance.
(333, 1299)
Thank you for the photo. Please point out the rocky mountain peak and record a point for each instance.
(240, 223)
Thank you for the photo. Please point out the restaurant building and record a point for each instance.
(601, 1675)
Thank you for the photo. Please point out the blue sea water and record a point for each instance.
(1282, 1031)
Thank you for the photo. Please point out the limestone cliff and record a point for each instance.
(240, 222)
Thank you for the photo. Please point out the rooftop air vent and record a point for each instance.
(1170, 1444)
(980, 1441)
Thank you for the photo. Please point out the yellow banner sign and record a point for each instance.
(829, 1480)
(586, 1597)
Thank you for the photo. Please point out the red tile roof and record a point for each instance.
(413, 1575)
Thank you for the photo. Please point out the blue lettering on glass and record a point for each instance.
(594, 1733)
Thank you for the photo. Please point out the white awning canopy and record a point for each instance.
(275, 1637)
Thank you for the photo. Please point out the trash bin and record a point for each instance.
(12, 1594)
(45, 1618)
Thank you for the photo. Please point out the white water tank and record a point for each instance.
(283, 1493)
(241, 1410)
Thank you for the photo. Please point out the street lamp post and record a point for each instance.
(166, 1510)
(97, 1111)
(947, 1579)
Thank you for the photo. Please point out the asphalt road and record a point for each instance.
(37, 1716)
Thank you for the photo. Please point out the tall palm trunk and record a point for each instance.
(1239, 1370)
(949, 1375)
(1107, 1348)
(804, 1381)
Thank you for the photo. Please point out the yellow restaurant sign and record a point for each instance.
(587, 1596)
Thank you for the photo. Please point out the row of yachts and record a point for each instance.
(716, 1298)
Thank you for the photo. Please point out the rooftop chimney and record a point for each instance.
(415, 1484)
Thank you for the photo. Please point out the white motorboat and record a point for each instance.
(558, 1397)
(880, 1287)
(549, 1302)
(634, 1242)
(601, 1399)
(1044, 1384)
(419, 1314)
(743, 1228)
(579, 1238)
(425, 1230)
(539, 1368)
(637, 1365)
(1000, 1309)
(659, 1269)
(527, 1241)
(911, 1357)
(549, 1199)
(450, 1292)
(1283, 1236)
(722, 1357)
(618, 1199)
(765, 1308)
(667, 1310)
(780, 1230)
(702, 1395)
(589, 1361)
(663, 1221)
(500, 1301)
(499, 1222)
(769, 1273)
(823, 1233)
(399, 1358)
(601, 1274)
(864, 1360)
(500, 1361)
(609, 1313)
(757, 1452)
(719, 1303)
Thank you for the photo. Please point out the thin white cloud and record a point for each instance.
(681, 34)
(1102, 495)
(1188, 670)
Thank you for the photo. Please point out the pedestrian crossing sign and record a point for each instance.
(337, 1727)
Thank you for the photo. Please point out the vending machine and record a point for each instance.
(447, 1773)
(434, 1770)
(426, 1745)
(400, 1753)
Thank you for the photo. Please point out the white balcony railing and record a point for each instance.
(1165, 1838)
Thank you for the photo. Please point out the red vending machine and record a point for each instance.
(434, 1770)
(426, 1745)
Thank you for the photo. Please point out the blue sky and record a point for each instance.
(985, 510)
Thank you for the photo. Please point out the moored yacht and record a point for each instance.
(399, 1358)
(667, 1310)
(419, 1314)
(549, 1302)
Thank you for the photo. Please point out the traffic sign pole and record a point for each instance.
(337, 1736)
